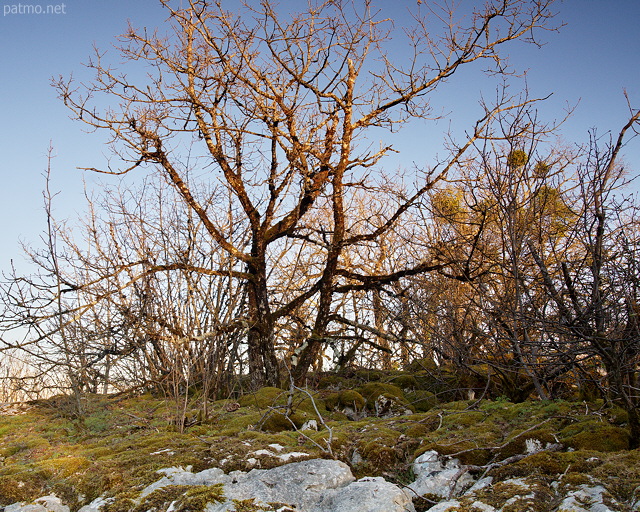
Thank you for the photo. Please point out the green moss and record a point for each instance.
(185, 498)
(618, 416)
(124, 502)
(14, 489)
(467, 452)
(533, 496)
(65, 466)
(518, 445)
(369, 375)
(599, 437)
(422, 400)
(405, 382)
(345, 398)
(251, 506)
(549, 464)
(373, 390)
(422, 365)
(464, 419)
(277, 422)
(620, 473)
(301, 402)
(263, 398)
(336, 382)
(417, 430)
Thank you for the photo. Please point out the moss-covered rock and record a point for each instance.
(602, 438)
(549, 464)
(278, 421)
(372, 390)
(182, 498)
(405, 381)
(263, 398)
(421, 400)
(345, 398)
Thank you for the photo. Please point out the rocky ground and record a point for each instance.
(362, 445)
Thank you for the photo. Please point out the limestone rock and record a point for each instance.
(388, 407)
(525, 494)
(438, 478)
(300, 483)
(316, 485)
(96, 505)
(588, 499)
(45, 504)
(369, 494)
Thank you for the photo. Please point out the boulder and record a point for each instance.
(45, 504)
(531, 494)
(434, 477)
(370, 494)
(589, 499)
(316, 485)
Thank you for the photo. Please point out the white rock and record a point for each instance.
(285, 457)
(49, 503)
(366, 495)
(264, 452)
(480, 484)
(316, 485)
(445, 506)
(299, 483)
(96, 504)
(588, 496)
(434, 477)
(310, 425)
(532, 446)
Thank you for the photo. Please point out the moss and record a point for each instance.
(549, 464)
(336, 382)
(124, 502)
(499, 493)
(467, 452)
(620, 473)
(250, 505)
(422, 400)
(420, 365)
(417, 430)
(518, 445)
(378, 455)
(65, 466)
(345, 398)
(533, 495)
(263, 398)
(301, 402)
(185, 498)
(464, 419)
(573, 480)
(373, 390)
(618, 416)
(405, 382)
(599, 437)
(277, 422)
(14, 489)
(369, 375)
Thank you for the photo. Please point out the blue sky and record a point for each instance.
(588, 62)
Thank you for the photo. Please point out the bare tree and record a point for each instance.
(278, 109)
(593, 286)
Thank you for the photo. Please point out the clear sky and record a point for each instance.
(590, 61)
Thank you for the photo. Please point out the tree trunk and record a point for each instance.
(263, 363)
